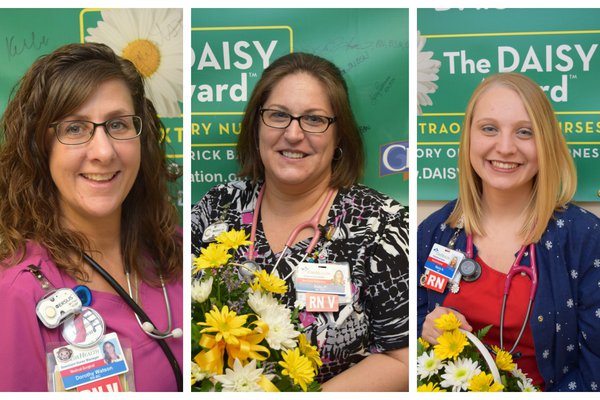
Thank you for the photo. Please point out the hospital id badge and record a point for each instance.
(441, 266)
(96, 368)
(323, 286)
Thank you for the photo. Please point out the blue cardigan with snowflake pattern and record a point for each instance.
(565, 321)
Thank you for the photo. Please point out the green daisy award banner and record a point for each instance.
(150, 38)
(557, 48)
(231, 48)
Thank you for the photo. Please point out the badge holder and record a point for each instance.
(76, 369)
(323, 287)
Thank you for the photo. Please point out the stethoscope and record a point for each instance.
(471, 270)
(147, 326)
(250, 266)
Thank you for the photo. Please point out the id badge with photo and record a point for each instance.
(440, 267)
(323, 287)
(98, 368)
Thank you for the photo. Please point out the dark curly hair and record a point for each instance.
(55, 86)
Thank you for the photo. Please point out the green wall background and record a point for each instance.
(369, 45)
(557, 48)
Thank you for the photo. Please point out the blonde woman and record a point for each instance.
(514, 222)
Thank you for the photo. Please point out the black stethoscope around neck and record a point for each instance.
(147, 326)
(472, 269)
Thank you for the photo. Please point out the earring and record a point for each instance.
(337, 157)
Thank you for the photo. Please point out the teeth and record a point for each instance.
(504, 165)
(290, 154)
(99, 177)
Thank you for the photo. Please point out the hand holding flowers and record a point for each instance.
(455, 364)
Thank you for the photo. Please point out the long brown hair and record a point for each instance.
(347, 168)
(56, 85)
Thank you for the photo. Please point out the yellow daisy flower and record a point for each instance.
(213, 256)
(226, 325)
(447, 322)
(310, 352)
(484, 383)
(504, 359)
(268, 282)
(298, 368)
(430, 387)
(450, 344)
(233, 239)
(424, 343)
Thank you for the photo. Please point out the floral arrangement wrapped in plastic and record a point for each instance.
(460, 363)
(243, 337)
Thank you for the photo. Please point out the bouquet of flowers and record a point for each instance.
(243, 337)
(455, 364)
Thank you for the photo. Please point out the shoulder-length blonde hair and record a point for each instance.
(57, 85)
(556, 180)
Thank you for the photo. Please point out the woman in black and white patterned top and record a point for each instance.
(299, 143)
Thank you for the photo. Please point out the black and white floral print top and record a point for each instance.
(370, 232)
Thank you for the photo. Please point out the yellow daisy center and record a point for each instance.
(144, 54)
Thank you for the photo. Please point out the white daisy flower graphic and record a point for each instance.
(151, 39)
(427, 69)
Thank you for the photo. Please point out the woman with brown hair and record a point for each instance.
(301, 156)
(83, 179)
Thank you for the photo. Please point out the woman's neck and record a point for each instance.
(505, 211)
(284, 202)
(104, 236)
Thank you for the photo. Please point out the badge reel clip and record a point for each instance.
(81, 326)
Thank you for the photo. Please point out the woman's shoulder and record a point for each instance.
(575, 219)
(373, 199)
(437, 219)
(17, 274)
(229, 191)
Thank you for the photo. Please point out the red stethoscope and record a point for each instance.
(249, 266)
(472, 269)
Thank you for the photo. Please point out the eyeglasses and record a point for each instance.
(308, 123)
(125, 127)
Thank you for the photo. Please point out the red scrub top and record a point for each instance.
(480, 302)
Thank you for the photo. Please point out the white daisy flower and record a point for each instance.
(151, 39)
(598, 313)
(558, 327)
(458, 374)
(428, 365)
(261, 302)
(281, 334)
(427, 69)
(443, 227)
(197, 373)
(548, 244)
(560, 223)
(519, 374)
(241, 378)
(572, 385)
(597, 263)
(594, 386)
(571, 347)
(546, 353)
(201, 289)
(526, 386)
